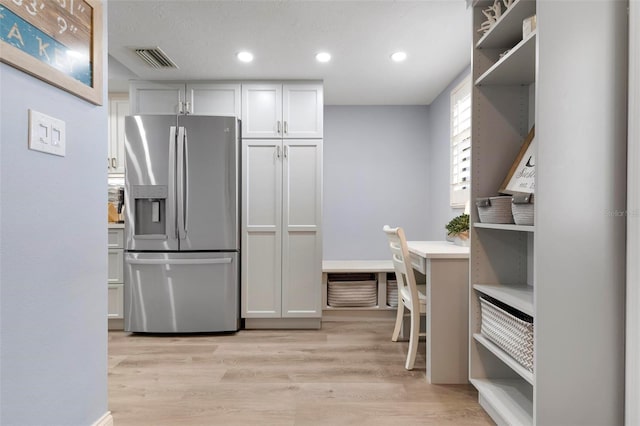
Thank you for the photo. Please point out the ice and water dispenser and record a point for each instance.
(150, 209)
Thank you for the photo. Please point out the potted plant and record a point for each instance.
(458, 230)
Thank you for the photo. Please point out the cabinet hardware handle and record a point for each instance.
(278, 126)
(113, 163)
(115, 159)
(278, 151)
(108, 163)
(286, 151)
(180, 107)
(187, 108)
(286, 127)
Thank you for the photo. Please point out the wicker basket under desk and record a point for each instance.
(352, 290)
(509, 329)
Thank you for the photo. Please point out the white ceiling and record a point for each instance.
(202, 38)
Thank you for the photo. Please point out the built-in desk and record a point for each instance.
(446, 267)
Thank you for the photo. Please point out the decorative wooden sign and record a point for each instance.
(58, 41)
(522, 175)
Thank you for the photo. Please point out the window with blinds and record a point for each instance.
(461, 143)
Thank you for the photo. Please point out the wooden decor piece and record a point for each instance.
(58, 41)
(522, 174)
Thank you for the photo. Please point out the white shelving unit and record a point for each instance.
(550, 270)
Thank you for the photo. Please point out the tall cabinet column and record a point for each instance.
(282, 205)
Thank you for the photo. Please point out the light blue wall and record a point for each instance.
(385, 165)
(375, 173)
(53, 259)
(438, 159)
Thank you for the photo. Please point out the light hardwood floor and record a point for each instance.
(346, 373)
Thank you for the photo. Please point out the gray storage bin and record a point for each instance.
(495, 209)
(522, 209)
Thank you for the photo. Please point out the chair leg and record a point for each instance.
(399, 318)
(413, 339)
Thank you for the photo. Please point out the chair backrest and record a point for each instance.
(402, 263)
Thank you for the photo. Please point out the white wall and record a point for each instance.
(375, 173)
(53, 271)
(438, 158)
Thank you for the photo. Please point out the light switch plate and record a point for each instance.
(46, 134)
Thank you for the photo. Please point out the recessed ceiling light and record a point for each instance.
(245, 56)
(323, 57)
(399, 56)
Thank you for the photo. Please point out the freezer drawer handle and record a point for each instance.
(179, 261)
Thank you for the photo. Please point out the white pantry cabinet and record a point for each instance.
(281, 229)
(221, 99)
(275, 110)
(118, 109)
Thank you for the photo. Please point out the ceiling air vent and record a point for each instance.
(154, 57)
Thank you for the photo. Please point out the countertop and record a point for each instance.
(113, 225)
(438, 250)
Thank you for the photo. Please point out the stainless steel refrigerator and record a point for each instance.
(182, 244)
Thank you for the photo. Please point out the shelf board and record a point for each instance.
(515, 68)
(519, 296)
(505, 227)
(359, 308)
(507, 399)
(505, 357)
(508, 30)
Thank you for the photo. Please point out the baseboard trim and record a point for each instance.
(345, 314)
(105, 420)
(116, 324)
(283, 323)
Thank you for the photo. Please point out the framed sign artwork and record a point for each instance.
(522, 175)
(58, 41)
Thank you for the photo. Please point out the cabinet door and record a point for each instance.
(115, 305)
(156, 98)
(262, 111)
(115, 238)
(261, 228)
(303, 108)
(118, 109)
(302, 223)
(115, 266)
(214, 99)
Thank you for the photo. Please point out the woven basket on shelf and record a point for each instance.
(495, 209)
(508, 328)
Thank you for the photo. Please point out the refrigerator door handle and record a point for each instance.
(179, 261)
(180, 181)
(172, 179)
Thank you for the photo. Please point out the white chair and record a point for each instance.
(410, 295)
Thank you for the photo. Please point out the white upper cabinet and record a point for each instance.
(214, 99)
(282, 111)
(148, 97)
(262, 111)
(302, 110)
(221, 99)
(118, 109)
